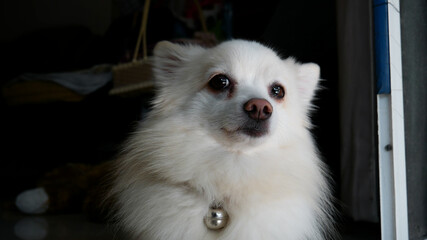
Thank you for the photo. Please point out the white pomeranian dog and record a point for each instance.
(226, 152)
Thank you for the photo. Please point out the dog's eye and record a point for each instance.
(219, 82)
(277, 91)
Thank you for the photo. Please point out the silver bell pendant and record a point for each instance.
(216, 218)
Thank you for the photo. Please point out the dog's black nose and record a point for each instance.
(258, 109)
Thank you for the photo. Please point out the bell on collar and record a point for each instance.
(216, 218)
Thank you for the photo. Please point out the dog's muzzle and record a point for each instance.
(258, 111)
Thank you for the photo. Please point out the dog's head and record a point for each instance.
(241, 93)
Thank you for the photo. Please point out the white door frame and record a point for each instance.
(391, 134)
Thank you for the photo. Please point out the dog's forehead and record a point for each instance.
(246, 61)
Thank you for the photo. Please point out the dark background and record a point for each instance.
(92, 130)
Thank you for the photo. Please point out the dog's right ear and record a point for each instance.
(308, 79)
(169, 58)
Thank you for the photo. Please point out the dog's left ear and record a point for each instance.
(308, 78)
(169, 58)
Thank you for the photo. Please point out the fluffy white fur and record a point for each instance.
(189, 152)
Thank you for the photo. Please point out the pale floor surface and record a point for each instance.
(14, 226)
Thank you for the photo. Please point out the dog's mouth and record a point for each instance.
(254, 132)
(252, 129)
